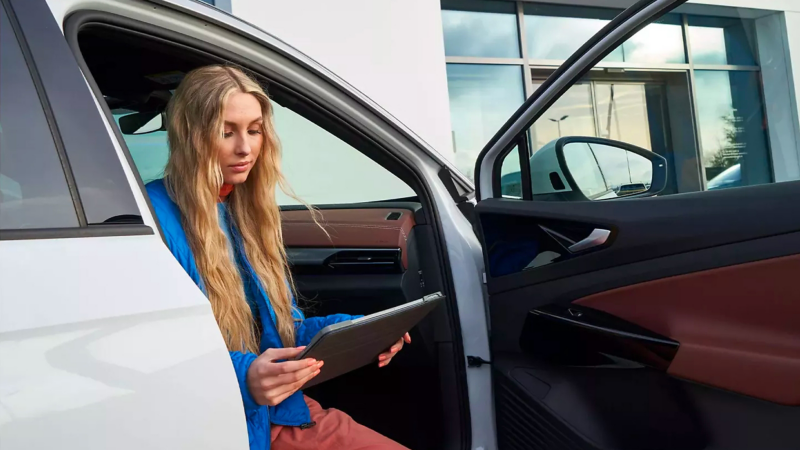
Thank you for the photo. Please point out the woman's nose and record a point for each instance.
(243, 146)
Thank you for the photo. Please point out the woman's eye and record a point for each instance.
(227, 134)
(254, 132)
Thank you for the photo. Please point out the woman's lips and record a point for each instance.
(239, 168)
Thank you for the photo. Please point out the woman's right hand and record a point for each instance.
(272, 382)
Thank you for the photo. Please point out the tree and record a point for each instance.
(729, 152)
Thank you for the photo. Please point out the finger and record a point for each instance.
(397, 346)
(384, 363)
(289, 378)
(273, 370)
(281, 392)
(276, 354)
(407, 338)
(293, 388)
(388, 355)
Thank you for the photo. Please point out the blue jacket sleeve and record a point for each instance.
(311, 326)
(241, 364)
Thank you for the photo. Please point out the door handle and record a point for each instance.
(596, 238)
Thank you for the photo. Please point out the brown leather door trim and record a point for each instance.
(738, 326)
(349, 228)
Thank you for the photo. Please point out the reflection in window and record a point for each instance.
(658, 43)
(510, 178)
(732, 128)
(583, 167)
(33, 189)
(622, 113)
(480, 34)
(482, 97)
(570, 115)
(622, 169)
(571, 34)
(603, 172)
(721, 41)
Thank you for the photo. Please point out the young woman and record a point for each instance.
(217, 209)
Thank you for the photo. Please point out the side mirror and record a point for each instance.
(142, 122)
(597, 169)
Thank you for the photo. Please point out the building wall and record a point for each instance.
(393, 51)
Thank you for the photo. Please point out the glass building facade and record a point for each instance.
(687, 87)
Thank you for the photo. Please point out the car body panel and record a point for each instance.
(149, 390)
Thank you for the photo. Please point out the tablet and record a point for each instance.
(348, 345)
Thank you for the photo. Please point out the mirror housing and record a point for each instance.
(551, 172)
(143, 122)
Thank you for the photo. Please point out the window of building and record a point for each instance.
(555, 33)
(482, 97)
(481, 29)
(705, 92)
(33, 188)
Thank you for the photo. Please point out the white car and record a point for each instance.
(644, 322)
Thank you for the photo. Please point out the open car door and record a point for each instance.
(624, 317)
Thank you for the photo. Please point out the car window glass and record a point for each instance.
(320, 168)
(33, 188)
(706, 93)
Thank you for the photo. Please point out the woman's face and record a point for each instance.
(242, 138)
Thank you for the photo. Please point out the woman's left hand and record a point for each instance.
(386, 358)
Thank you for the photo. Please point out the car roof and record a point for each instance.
(221, 18)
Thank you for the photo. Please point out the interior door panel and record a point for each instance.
(355, 260)
(738, 326)
(682, 331)
(376, 228)
(361, 259)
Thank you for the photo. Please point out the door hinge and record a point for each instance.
(476, 361)
(484, 277)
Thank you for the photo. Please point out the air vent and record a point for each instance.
(366, 261)
(394, 216)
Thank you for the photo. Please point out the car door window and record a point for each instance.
(33, 187)
(324, 170)
(705, 92)
(320, 168)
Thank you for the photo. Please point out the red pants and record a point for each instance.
(334, 430)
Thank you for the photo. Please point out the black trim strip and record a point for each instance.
(580, 336)
(72, 233)
(48, 113)
(525, 167)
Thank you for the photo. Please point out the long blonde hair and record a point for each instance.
(193, 178)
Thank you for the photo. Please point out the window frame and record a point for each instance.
(321, 116)
(44, 104)
(361, 138)
(88, 148)
(529, 65)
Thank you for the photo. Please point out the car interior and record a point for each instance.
(369, 257)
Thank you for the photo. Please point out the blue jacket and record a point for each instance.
(292, 411)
